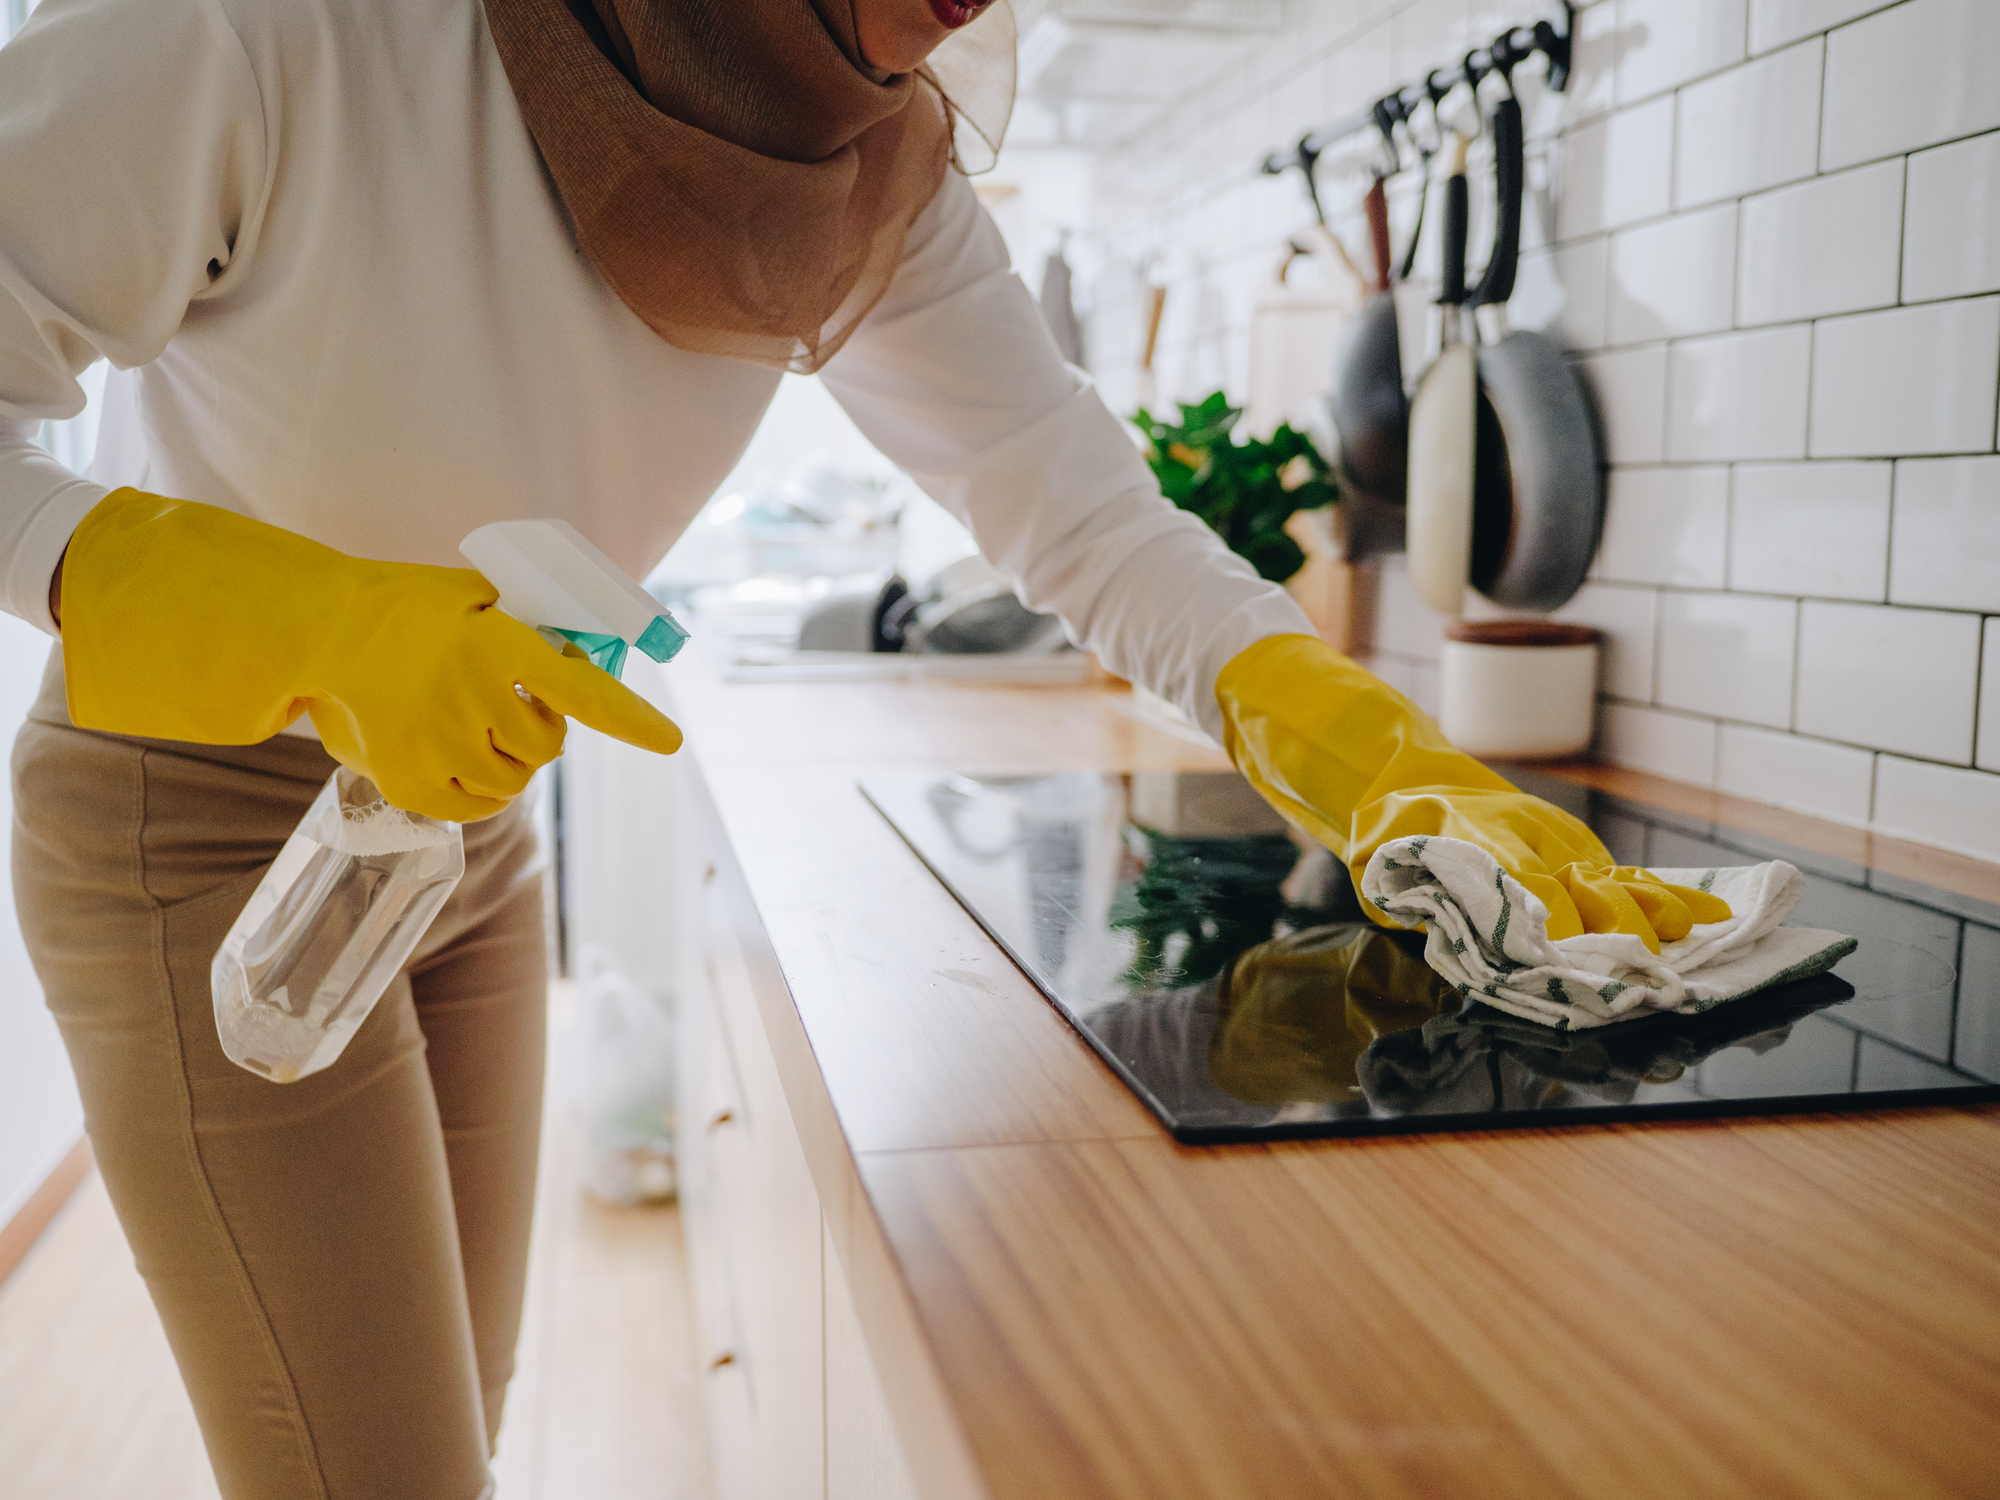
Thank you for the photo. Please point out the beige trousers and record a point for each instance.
(339, 1262)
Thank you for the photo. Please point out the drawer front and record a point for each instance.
(706, 1087)
(768, 1212)
(752, 1221)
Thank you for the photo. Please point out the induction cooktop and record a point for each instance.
(1221, 966)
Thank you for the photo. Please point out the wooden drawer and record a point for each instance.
(707, 1103)
(753, 1221)
(794, 1404)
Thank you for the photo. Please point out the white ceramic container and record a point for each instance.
(1522, 689)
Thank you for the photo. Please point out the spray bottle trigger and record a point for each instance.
(604, 650)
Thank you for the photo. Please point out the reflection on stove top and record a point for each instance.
(1220, 964)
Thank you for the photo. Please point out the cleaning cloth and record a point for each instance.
(1488, 936)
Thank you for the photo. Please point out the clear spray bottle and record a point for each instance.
(359, 882)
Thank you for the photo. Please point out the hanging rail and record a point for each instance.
(1503, 54)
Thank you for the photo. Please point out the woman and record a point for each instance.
(372, 275)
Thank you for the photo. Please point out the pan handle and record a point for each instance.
(1510, 178)
(1377, 206)
(1434, 93)
(1457, 210)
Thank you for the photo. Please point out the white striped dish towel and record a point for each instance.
(1488, 936)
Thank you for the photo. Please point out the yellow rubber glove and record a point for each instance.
(1355, 764)
(186, 622)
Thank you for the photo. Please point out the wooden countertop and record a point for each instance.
(1065, 1302)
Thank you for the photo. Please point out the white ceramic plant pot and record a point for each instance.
(1523, 689)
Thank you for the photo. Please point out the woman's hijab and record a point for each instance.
(736, 169)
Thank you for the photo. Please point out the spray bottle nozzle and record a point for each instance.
(550, 577)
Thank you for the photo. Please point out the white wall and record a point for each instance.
(1771, 231)
(40, 1115)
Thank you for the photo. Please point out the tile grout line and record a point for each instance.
(1798, 648)
(1979, 687)
(1889, 542)
(1819, 134)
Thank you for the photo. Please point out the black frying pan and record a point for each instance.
(1538, 492)
(1369, 409)
(1370, 412)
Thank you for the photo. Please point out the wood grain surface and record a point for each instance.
(1799, 1306)
(19, 1233)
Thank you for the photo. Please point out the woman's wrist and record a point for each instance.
(55, 591)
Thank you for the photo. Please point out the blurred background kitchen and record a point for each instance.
(1764, 233)
(1767, 231)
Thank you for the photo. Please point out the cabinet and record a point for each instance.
(794, 1403)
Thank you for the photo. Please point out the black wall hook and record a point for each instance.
(1477, 64)
(1549, 36)
(1389, 113)
(1307, 161)
(1557, 48)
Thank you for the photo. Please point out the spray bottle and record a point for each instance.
(359, 882)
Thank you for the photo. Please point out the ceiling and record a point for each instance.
(1094, 72)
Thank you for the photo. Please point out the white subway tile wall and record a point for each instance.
(1631, 392)
(1894, 679)
(1831, 245)
(1618, 170)
(1953, 232)
(1834, 781)
(1667, 744)
(1864, 401)
(1774, 23)
(1912, 76)
(1561, 293)
(1670, 42)
(1946, 550)
(1937, 804)
(1666, 525)
(1673, 276)
(1628, 622)
(1769, 231)
(1750, 128)
(1739, 395)
(1810, 529)
(1728, 656)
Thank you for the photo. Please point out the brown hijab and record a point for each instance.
(735, 168)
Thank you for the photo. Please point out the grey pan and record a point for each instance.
(1539, 486)
(1369, 409)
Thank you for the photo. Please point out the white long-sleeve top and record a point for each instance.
(340, 293)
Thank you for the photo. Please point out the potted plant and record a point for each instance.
(1246, 490)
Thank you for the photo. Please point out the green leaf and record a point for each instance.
(1239, 488)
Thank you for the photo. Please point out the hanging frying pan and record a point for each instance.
(1368, 407)
(1540, 473)
(1370, 412)
(1367, 404)
(1443, 422)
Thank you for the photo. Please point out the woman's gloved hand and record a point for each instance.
(187, 622)
(1354, 763)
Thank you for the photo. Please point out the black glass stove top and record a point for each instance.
(1225, 972)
